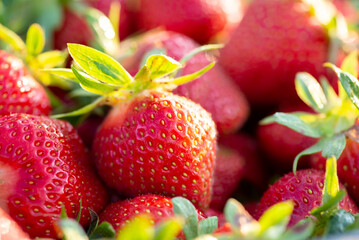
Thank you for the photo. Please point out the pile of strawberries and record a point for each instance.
(123, 124)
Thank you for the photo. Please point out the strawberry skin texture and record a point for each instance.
(44, 166)
(9, 229)
(275, 40)
(305, 189)
(73, 29)
(158, 143)
(198, 19)
(215, 91)
(20, 92)
(228, 172)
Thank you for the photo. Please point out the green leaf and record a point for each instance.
(334, 146)
(169, 229)
(161, 65)
(204, 48)
(103, 231)
(138, 228)
(63, 214)
(187, 78)
(35, 40)
(310, 91)
(293, 122)
(99, 65)
(71, 230)
(11, 38)
(105, 35)
(143, 75)
(317, 147)
(94, 222)
(331, 183)
(207, 225)
(91, 85)
(274, 221)
(330, 204)
(330, 94)
(63, 73)
(86, 109)
(231, 209)
(52, 59)
(185, 208)
(78, 217)
(301, 231)
(153, 51)
(349, 83)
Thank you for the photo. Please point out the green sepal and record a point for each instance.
(11, 38)
(185, 208)
(331, 183)
(71, 229)
(169, 228)
(310, 91)
(330, 94)
(63, 214)
(204, 48)
(103, 231)
(339, 222)
(105, 36)
(78, 217)
(153, 51)
(35, 40)
(275, 219)
(92, 85)
(143, 75)
(94, 222)
(99, 65)
(187, 78)
(349, 83)
(334, 146)
(139, 227)
(330, 204)
(293, 122)
(86, 109)
(52, 59)
(161, 65)
(64, 73)
(300, 231)
(349, 65)
(207, 225)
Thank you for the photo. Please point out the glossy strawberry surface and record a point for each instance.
(19, 91)
(44, 166)
(275, 40)
(305, 189)
(158, 143)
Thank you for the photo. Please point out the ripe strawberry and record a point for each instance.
(275, 40)
(228, 172)
(43, 167)
(73, 29)
(9, 230)
(305, 189)
(281, 144)
(121, 212)
(214, 91)
(18, 89)
(158, 143)
(198, 19)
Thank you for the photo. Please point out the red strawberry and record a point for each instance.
(73, 29)
(198, 19)
(18, 90)
(305, 189)
(9, 230)
(228, 172)
(275, 40)
(214, 91)
(44, 166)
(281, 144)
(220, 216)
(121, 212)
(158, 143)
(125, 16)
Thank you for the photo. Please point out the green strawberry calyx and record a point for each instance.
(32, 53)
(335, 114)
(98, 73)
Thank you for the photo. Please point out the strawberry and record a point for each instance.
(9, 230)
(228, 172)
(305, 188)
(214, 91)
(121, 212)
(281, 145)
(73, 29)
(19, 90)
(158, 143)
(44, 167)
(198, 19)
(274, 40)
